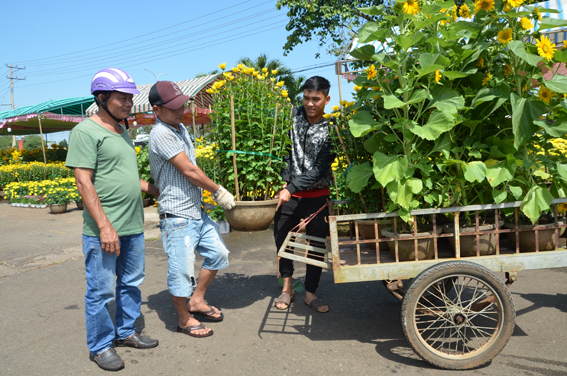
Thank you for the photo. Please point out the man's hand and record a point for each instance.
(285, 196)
(109, 241)
(224, 198)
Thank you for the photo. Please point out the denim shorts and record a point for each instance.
(181, 237)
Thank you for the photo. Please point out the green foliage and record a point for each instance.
(5, 142)
(259, 149)
(143, 159)
(325, 20)
(32, 142)
(456, 120)
(63, 143)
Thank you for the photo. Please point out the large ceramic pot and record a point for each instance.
(80, 205)
(487, 242)
(527, 238)
(251, 215)
(58, 209)
(367, 231)
(406, 248)
(146, 202)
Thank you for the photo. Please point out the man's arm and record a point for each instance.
(149, 188)
(193, 173)
(109, 241)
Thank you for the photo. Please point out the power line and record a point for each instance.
(145, 41)
(139, 36)
(160, 58)
(112, 60)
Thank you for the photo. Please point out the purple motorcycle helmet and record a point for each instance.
(113, 79)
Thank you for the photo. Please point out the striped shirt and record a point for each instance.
(178, 195)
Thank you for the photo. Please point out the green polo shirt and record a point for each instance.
(112, 157)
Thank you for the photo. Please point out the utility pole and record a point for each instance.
(12, 78)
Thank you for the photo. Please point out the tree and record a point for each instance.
(294, 84)
(263, 61)
(203, 74)
(32, 142)
(334, 20)
(5, 142)
(63, 143)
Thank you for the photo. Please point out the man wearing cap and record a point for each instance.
(185, 226)
(106, 173)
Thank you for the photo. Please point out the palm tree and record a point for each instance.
(262, 61)
(294, 85)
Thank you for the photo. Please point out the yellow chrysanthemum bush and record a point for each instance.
(259, 150)
(33, 171)
(458, 106)
(53, 153)
(56, 191)
(206, 159)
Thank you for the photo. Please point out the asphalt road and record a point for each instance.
(42, 287)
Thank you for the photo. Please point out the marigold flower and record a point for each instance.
(274, 71)
(280, 84)
(264, 70)
(222, 66)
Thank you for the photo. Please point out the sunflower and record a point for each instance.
(545, 94)
(464, 11)
(515, 3)
(437, 76)
(411, 7)
(487, 5)
(486, 79)
(371, 72)
(507, 70)
(538, 13)
(526, 23)
(480, 62)
(545, 48)
(505, 36)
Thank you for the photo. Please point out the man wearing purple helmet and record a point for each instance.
(106, 173)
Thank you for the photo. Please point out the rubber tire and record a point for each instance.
(435, 272)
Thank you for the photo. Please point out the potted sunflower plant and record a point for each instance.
(251, 120)
(454, 106)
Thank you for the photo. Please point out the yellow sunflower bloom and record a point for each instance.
(487, 5)
(437, 76)
(464, 11)
(371, 72)
(515, 3)
(486, 79)
(526, 23)
(411, 7)
(545, 95)
(505, 36)
(545, 48)
(538, 14)
(480, 62)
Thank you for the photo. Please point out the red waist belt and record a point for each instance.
(312, 193)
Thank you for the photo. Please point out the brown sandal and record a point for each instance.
(315, 304)
(286, 299)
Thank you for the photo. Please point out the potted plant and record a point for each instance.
(251, 117)
(57, 198)
(451, 106)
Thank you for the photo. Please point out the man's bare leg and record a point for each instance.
(197, 301)
(185, 318)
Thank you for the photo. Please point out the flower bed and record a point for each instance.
(59, 190)
(33, 171)
(53, 153)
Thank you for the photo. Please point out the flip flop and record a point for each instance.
(190, 329)
(286, 299)
(208, 314)
(315, 304)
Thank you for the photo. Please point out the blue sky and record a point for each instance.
(63, 43)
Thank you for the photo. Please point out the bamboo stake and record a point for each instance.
(348, 160)
(41, 133)
(272, 146)
(193, 115)
(234, 147)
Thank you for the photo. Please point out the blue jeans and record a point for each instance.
(181, 237)
(103, 270)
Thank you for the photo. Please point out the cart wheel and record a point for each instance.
(468, 325)
(400, 292)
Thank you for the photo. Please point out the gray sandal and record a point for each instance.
(315, 304)
(286, 299)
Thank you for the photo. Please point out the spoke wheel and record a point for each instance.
(400, 292)
(462, 327)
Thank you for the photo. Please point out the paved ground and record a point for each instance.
(42, 289)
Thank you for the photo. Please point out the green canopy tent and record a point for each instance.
(47, 117)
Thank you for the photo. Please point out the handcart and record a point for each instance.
(456, 313)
